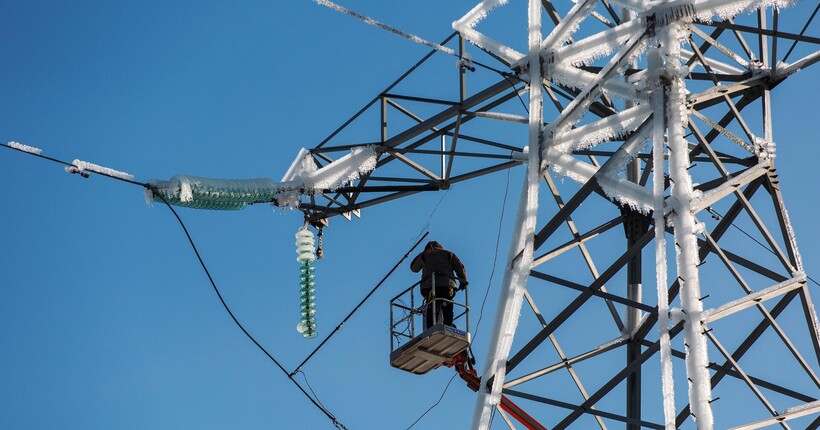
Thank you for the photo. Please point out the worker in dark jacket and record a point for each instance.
(442, 266)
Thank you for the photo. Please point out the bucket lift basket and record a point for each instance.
(419, 349)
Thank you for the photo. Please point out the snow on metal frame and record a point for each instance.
(518, 267)
(302, 178)
(685, 200)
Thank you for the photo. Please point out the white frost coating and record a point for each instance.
(703, 200)
(342, 171)
(85, 165)
(706, 10)
(586, 50)
(765, 149)
(502, 116)
(697, 360)
(25, 148)
(186, 194)
(476, 14)
(605, 129)
(616, 188)
(465, 26)
(715, 65)
(635, 5)
(801, 408)
(569, 24)
(563, 74)
(518, 268)
(149, 197)
(626, 192)
(754, 298)
(654, 62)
(793, 242)
(301, 163)
(307, 179)
(504, 52)
(303, 177)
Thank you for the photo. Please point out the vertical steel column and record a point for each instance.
(519, 259)
(686, 226)
(635, 227)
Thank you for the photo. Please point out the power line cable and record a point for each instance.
(495, 257)
(338, 327)
(315, 401)
(434, 404)
(401, 33)
(719, 215)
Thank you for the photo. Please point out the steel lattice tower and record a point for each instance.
(660, 113)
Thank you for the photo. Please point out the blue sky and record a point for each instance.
(106, 318)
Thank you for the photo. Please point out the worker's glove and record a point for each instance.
(462, 285)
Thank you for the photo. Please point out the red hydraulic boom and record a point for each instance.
(464, 368)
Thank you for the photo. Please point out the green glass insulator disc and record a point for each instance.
(309, 334)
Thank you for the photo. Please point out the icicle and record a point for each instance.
(654, 61)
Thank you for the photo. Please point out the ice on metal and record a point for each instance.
(82, 166)
(302, 178)
(25, 148)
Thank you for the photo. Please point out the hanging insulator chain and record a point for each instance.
(307, 283)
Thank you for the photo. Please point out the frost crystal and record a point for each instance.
(82, 166)
(25, 148)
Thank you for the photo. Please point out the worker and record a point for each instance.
(443, 267)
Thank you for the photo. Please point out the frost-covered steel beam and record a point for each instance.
(757, 381)
(591, 411)
(520, 254)
(583, 288)
(753, 299)
(594, 352)
(614, 382)
(570, 309)
(744, 347)
(744, 376)
(577, 241)
(786, 415)
(762, 31)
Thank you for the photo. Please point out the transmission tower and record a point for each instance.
(660, 116)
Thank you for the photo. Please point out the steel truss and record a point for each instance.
(739, 296)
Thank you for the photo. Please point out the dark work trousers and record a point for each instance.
(443, 309)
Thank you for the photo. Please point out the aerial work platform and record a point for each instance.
(430, 349)
(433, 346)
